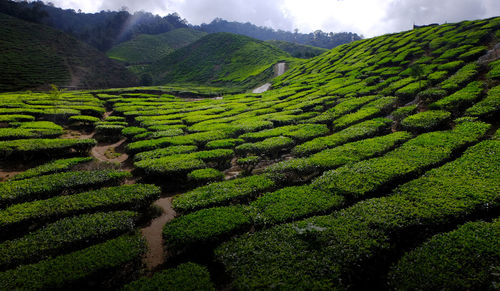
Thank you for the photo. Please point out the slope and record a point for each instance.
(147, 48)
(34, 56)
(219, 58)
(298, 50)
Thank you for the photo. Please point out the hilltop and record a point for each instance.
(35, 55)
(148, 48)
(298, 50)
(219, 58)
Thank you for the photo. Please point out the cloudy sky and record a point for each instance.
(367, 17)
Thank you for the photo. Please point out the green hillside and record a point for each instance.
(147, 48)
(33, 56)
(298, 50)
(219, 58)
(373, 166)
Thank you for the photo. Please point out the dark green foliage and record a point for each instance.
(31, 49)
(146, 48)
(51, 167)
(185, 277)
(326, 252)
(65, 234)
(137, 196)
(223, 192)
(48, 147)
(426, 120)
(270, 146)
(204, 226)
(49, 185)
(84, 119)
(64, 271)
(494, 72)
(464, 259)
(217, 58)
(298, 50)
(404, 112)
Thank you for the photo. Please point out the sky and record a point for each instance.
(366, 17)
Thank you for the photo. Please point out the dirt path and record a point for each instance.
(153, 234)
(100, 152)
(279, 69)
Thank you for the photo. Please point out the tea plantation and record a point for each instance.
(374, 165)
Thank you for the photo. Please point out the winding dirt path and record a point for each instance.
(153, 234)
(99, 152)
(279, 69)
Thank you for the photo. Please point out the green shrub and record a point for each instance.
(25, 133)
(185, 277)
(292, 203)
(65, 234)
(132, 131)
(16, 118)
(170, 166)
(451, 66)
(168, 151)
(463, 259)
(270, 146)
(223, 192)
(465, 75)
(494, 72)
(204, 176)
(431, 95)
(51, 167)
(53, 184)
(326, 252)
(40, 125)
(354, 132)
(461, 98)
(345, 106)
(224, 143)
(426, 120)
(47, 147)
(204, 226)
(488, 106)
(403, 112)
(64, 271)
(368, 111)
(85, 119)
(137, 196)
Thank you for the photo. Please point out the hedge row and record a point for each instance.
(427, 120)
(300, 133)
(368, 111)
(461, 98)
(65, 234)
(56, 184)
(328, 252)
(345, 106)
(23, 133)
(464, 259)
(488, 106)
(355, 181)
(164, 152)
(16, 118)
(270, 146)
(223, 192)
(51, 167)
(137, 196)
(358, 131)
(185, 277)
(50, 147)
(70, 270)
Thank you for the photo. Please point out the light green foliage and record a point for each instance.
(270, 146)
(488, 106)
(205, 176)
(460, 98)
(425, 120)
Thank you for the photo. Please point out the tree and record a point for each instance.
(417, 72)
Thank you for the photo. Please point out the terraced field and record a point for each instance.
(374, 165)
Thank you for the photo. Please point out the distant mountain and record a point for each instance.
(34, 56)
(219, 58)
(318, 38)
(101, 30)
(148, 48)
(298, 50)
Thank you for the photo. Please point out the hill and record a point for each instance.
(317, 38)
(219, 58)
(298, 50)
(373, 166)
(34, 56)
(148, 48)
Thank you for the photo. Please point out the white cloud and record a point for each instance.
(367, 17)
